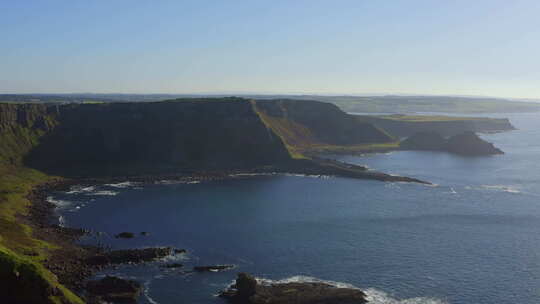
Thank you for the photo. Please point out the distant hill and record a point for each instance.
(352, 104)
(426, 104)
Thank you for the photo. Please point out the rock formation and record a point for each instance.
(113, 289)
(247, 290)
(467, 143)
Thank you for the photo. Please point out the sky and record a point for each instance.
(480, 47)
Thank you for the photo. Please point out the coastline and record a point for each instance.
(70, 261)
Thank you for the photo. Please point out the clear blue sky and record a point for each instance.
(469, 47)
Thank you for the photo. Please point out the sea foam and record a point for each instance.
(374, 296)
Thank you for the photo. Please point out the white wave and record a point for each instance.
(374, 296)
(175, 257)
(501, 188)
(278, 173)
(61, 221)
(104, 193)
(58, 203)
(251, 174)
(122, 185)
(176, 182)
(80, 189)
(305, 279)
(146, 292)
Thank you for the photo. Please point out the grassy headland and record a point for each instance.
(38, 142)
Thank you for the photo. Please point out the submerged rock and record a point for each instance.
(125, 235)
(114, 289)
(173, 265)
(129, 256)
(213, 268)
(247, 290)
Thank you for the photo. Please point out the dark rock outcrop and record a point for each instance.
(429, 141)
(125, 235)
(173, 265)
(129, 256)
(247, 290)
(113, 289)
(467, 143)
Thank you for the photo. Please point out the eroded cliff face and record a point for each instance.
(303, 123)
(21, 127)
(141, 138)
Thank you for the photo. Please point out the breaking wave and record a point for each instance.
(104, 192)
(80, 189)
(122, 185)
(374, 296)
(501, 188)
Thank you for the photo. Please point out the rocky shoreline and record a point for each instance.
(247, 290)
(74, 264)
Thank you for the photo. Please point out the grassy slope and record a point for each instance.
(20, 253)
(430, 118)
(300, 141)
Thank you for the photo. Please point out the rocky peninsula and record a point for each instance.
(466, 143)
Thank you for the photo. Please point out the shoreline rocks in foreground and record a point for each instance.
(114, 289)
(247, 290)
(129, 256)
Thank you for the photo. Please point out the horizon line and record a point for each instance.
(240, 94)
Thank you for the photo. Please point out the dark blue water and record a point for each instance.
(473, 238)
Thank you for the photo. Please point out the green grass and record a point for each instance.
(353, 149)
(33, 281)
(300, 141)
(415, 104)
(20, 252)
(429, 118)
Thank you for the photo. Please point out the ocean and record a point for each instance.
(473, 237)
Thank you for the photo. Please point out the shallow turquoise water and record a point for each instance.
(473, 238)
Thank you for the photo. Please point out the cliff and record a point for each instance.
(21, 127)
(466, 143)
(407, 125)
(140, 138)
(307, 126)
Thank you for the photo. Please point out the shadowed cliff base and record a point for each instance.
(192, 136)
